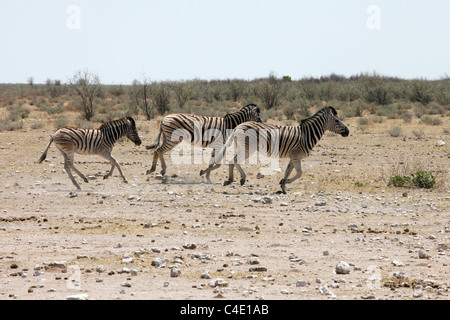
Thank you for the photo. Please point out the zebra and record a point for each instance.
(188, 122)
(70, 140)
(293, 142)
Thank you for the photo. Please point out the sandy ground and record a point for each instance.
(185, 239)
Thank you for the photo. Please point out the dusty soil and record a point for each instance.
(121, 241)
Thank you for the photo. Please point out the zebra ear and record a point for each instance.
(333, 111)
(131, 120)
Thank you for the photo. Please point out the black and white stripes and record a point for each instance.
(293, 142)
(99, 141)
(194, 126)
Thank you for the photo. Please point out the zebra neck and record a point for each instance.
(312, 130)
(113, 133)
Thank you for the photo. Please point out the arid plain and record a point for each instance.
(185, 239)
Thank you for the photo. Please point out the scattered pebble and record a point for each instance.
(78, 297)
(342, 268)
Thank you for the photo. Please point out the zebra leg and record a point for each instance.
(67, 166)
(114, 163)
(212, 166)
(230, 175)
(298, 167)
(155, 161)
(286, 175)
(242, 181)
(163, 163)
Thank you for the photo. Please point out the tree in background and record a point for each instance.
(139, 96)
(87, 86)
(270, 91)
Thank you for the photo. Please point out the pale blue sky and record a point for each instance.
(212, 39)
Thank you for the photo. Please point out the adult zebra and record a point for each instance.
(293, 142)
(99, 141)
(193, 124)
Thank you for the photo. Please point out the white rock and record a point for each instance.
(217, 283)
(174, 272)
(342, 268)
(440, 143)
(78, 297)
(423, 254)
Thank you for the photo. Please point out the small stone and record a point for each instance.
(342, 268)
(73, 194)
(301, 283)
(189, 246)
(78, 297)
(205, 275)
(325, 291)
(158, 262)
(99, 269)
(423, 254)
(174, 272)
(418, 294)
(321, 203)
(397, 263)
(126, 284)
(401, 275)
(253, 260)
(218, 283)
(127, 260)
(257, 269)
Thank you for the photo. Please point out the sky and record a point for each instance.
(222, 39)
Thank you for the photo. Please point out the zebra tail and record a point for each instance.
(44, 155)
(156, 144)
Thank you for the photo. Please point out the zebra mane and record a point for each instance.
(319, 114)
(115, 123)
(230, 118)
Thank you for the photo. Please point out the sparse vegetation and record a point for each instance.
(87, 86)
(371, 98)
(420, 179)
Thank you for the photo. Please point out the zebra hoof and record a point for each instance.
(202, 172)
(86, 180)
(242, 181)
(163, 172)
(149, 171)
(226, 183)
(105, 177)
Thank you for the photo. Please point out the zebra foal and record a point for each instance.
(99, 141)
(293, 142)
(193, 125)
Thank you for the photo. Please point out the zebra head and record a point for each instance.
(132, 133)
(253, 111)
(333, 123)
(250, 112)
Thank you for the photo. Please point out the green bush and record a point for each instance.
(421, 179)
(400, 181)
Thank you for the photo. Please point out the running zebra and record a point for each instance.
(193, 124)
(293, 142)
(92, 141)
